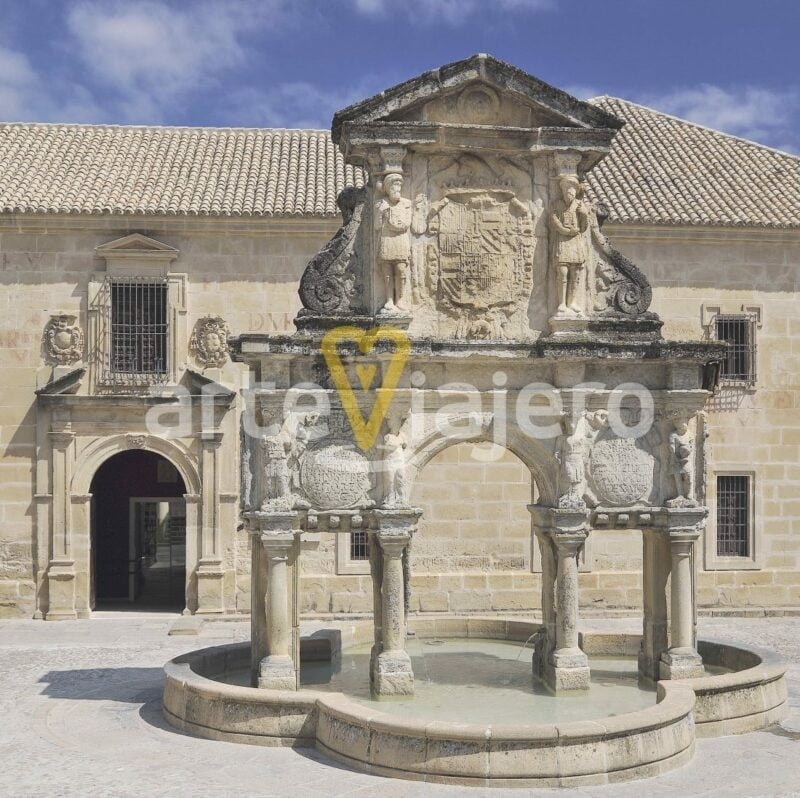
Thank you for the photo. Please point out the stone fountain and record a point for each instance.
(473, 257)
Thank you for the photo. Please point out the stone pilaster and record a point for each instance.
(655, 623)
(61, 568)
(566, 667)
(210, 573)
(681, 660)
(391, 667)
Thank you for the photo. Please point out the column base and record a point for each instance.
(392, 674)
(277, 673)
(61, 591)
(567, 669)
(681, 663)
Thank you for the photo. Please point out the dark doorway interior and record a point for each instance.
(138, 533)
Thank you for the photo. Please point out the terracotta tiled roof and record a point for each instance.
(664, 170)
(162, 170)
(661, 170)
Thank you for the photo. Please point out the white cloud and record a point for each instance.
(26, 97)
(752, 112)
(294, 104)
(451, 12)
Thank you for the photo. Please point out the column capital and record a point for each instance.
(61, 438)
(393, 544)
(397, 521)
(682, 523)
(558, 521)
(569, 543)
(269, 523)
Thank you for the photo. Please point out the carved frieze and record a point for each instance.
(209, 341)
(62, 340)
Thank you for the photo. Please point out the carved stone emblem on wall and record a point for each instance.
(482, 257)
(62, 340)
(135, 441)
(333, 475)
(209, 341)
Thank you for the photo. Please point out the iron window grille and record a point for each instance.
(739, 331)
(359, 545)
(138, 330)
(733, 516)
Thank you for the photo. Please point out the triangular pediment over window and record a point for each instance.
(479, 90)
(136, 243)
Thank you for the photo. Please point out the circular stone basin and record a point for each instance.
(480, 681)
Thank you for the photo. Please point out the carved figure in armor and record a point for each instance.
(395, 446)
(276, 469)
(568, 222)
(301, 433)
(571, 454)
(680, 469)
(394, 215)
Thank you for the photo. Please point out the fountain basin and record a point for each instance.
(635, 744)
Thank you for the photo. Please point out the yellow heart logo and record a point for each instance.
(365, 432)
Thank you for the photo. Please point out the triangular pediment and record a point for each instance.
(136, 243)
(479, 90)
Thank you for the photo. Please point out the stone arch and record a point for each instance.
(539, 459)
(103, 449)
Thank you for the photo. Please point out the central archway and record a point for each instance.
(138, 532)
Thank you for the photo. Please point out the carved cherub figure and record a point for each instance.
(276, 468)
(394, 216)
(568, 222)
(680, 468)
(395, 444)
(571, 450)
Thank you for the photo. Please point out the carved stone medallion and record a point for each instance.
(335, 476)
(209, 341)
(63, 340)
(622, 472)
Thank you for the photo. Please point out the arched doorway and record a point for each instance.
(472, 551)
(138, 532)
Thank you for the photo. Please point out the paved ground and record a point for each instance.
(80, 715)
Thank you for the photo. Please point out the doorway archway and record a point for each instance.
(138, 533)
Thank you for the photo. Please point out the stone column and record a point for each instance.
(376, 572)
(273, 633)
(61, 568)
(570, 664)
(681, 660)
(392, 673)
(655, 573)
(559, 659)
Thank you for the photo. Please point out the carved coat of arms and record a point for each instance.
(483, 258)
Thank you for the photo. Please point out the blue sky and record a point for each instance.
(730, 64)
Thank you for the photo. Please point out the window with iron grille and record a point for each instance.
(359, 545)
(739, 331)
(733, 516)
(138, 328)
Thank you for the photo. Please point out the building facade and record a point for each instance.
(132, 254)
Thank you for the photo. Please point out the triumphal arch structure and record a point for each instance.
(471, 295)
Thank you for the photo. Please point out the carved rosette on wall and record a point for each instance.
(209, 341)
(62, 340)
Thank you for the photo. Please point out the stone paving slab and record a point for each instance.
(80, 703)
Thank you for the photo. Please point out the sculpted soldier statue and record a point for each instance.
(568, 222)
(680, 469)
(394, 215)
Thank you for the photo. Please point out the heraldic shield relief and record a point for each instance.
(484, 248)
